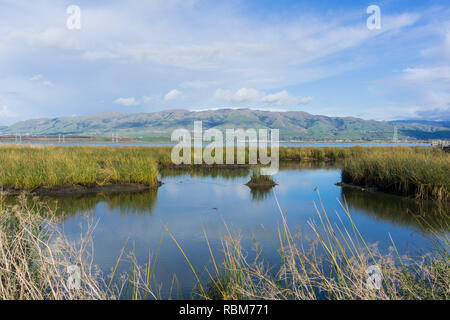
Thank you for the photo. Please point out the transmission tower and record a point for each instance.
(395, 137)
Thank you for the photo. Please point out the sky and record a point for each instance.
(135, 56)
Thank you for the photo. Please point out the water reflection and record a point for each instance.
(135, 203)
(260, 194)
(240, 172)
(202, 172)
(196, 198)
(398, 210)
(379, 206)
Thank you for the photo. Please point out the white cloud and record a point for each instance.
(282, 98)
(147, 99)
(173, 94)
(428, 97)
(245, 45)
(430, 86)
(132, 101)
(247, 95)
(127, 101)
(441, 50)
(199, 84)
(236, 108)
(240, 96)
(434, 114)
(431, 74)
(151, 42)
(37, 77)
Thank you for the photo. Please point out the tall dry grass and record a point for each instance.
(35, 255)
(334, 267)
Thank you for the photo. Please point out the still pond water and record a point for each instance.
(190, 200)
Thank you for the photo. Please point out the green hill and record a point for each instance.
(292, 125)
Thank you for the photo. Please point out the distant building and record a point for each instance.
(443, 144)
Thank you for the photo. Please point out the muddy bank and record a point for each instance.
(82, 190)
(394, 194)
(204, 166)
(354, 186)
(377, 190)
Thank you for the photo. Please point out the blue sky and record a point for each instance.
(145, 56)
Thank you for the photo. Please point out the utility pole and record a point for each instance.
(115, 137)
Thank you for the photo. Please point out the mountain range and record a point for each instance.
(293, 125)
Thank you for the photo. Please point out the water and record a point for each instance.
(169, 144)
(200, 198)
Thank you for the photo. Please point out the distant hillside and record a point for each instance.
(292, 125)
(445, 124)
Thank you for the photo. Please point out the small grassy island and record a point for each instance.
(260, 181)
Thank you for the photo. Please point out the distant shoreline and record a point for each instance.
(63, 139)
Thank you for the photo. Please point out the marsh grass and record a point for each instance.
(421, 175)
(28, 168)
(311, 154)
(32, 167)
